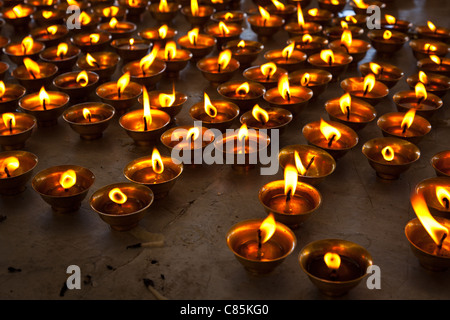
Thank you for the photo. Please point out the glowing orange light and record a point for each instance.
(260, 114)
(162, 31)
(313, 12)
(390, 19)
(19, 11)
(163, 6)
(147, 60)
(387, 34)
(52, 30)
(147, 114)
(443, 195)
(351, 19)
(361, 4)
(307, 38)
(290, 180)
(408, 119)
(123, 82)
(2, 88)
(193, 36)
(369, 82)
(435, 59)
(327, 55)
(332, 260)
(345, 103)
(157, 163)
(27, 45)
(375, 67)
(346, 38)
(420, 91)
(268, 69)
(267, 228)
(82, 78)
(170, 51)
(388, 153)
(84, 18)
(431, 26)
(94, 38)
(32, 67)
(9, 120)
(264, 14)
(91, 60)
(242, 89)
(241, 44)
(43, 97)
(243, 132)
(68, 179)
(283, 87)
(9, 165)
(62, 49)
(87, 114)
(224, 59)
(224, 30)
(300, 18)
(210, 109)
(423, 77)
(329, 132)
(288, 50)
(110, 11)
(344, 25)
(194, 7)
(306, 77)
(116, 195)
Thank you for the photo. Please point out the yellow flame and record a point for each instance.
(361, 4)
(375, 67)
(224, 58)
(280, 6)
(298, 163)
(94, 37)
(344, 25)
(290, 180)
(433, 228)
(334, 2)
(10, 164)
(110, 11)
(194, 7)
(443, 195)
(264, 13)
(113, 22)
(146, 106)
(408, 119)
(163, 6)
(224, 30)
(32, 67)
(82, 78)
(332, 260)
(283, 86)
(243, 89)
(9, 120)
(346, 38)
(52, 30)
(131, 41)
(260, 114)
(86, 113)
(228, 16)
(123, 81)
(157, 163)
(193, 36)
(19, 11)
(27, 45)
(306, 77)
(91, 60)
(193, 133)
(84, 18)
(435, 59)
(329, 131)
(268, 69)
(2, 88)
(243, 132)
(68, 179)
(116, 195)
(162, 31)
(166, 100)
(327, 55)
(431, 26)
(313, 12)
(210, 109)
(147, 61)
(429, 47)
(421, 91)
(43, 96)
(388, 153)
(287, 51)
(170, 51)
(241, 44)
(423, 77)
(300, 18)
(345, 102)
(387, 34)
(62, 49)
(351, 19)
(268, 228)
(390, 19)
(307, 38)
(369, 82)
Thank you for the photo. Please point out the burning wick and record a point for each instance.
(345, 47)
(330, 61)
(447, 202)
(310, 163)
(11, 128)
(331, 140)
(441, 242)
(258, 254)
(348, 112)
(145, 123)
(7, 172)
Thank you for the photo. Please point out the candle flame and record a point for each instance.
(290, 180)
(306, 77)
(351, 19)
(19, 11)
(166, 100)
(280, 6)
(192, 134)
(329, 131)
(224, 30)
(344, 25)
(361, 4)
(423, 77)
(210, 109)
(62, 49)
(113, 22)
(82, 78)
(283, 87)
(288, 50)
(27, 44)
(390, 19)
(243, 132)
(332, 260)
(421, 92)
(369, 82)
(435, 59)
(264, 13)
(375, 67)
(147, 61)
(91, 60)
(242, 89)
(267, 228)
(241, 44)
(86, 113)
(313, 12)
(387, 34)
(10, 164)
(194, 7)
(327, 55)
(228, 16)
(334, 2)
(388, 153)
(408, 119)
(435, 230)
(52, 30)
(123, 81)
(110, 11)
(170, 51)
(43, 96)
(193, 36)
(260, 114)
(300, 18)
(346, 38)
(84, 18)
(307, 38)
(94, 37)
(163, 6)
(116, 195)
(146, 106)
(131, 41)
(68, 179)
(431, 26)
(9, 120)
(157, 163)
(32, 67)
(299, 164)
(2, 88)
(268, 69)
(162, 31)
(443, 195)
(224, 58)
(345, 102)
(429, 47)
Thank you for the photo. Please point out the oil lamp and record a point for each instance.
(333, 6)
(16, 169)
(392, 23)
(431, 31)
(103, 63)
(169, 101)
(157, 172)
(122, 205)
(63, 187)
(122, 95)
(261, 245)
(313, 164)
(145, 125)
(285, 11)
(268, 118)
(106, 12)
(390, 156)
(130, 49)
(335, 62)
(89, 119)
(434, 83)
(33, 75)
(17, 51)
(15, 129)
(384, 72)
(335, 266)
(64, 56)
(300, 27)
(319, 16)
(244, 51)
(387, 42)
(18, 16)
(264, 24)
(88, 22)
(77, 84)
(148, 70)
(158, 35)
(117, 29)
(91, 42)
(218, 69)
(48, 17)
(356, 48)
(426, 104)
(232, 16)
(441, 163)
(315, 79)
(360, 6)
(164, 12)
(292, 98)
(10, 93)
(335, 32)
(242, 93)
(197, 15)
(423, 48)
(358, 20)
(175, 59)
(135, 8)
(365, 88)
(287, 58)
(352, 112)
(218, 114)
(334, 137)
(427, 236)
(436, 192)
(309, 44)
(290, 201)
(45, 106)
(198, 44)
(405, 125)
(223, 32)
(435, 64)
(266, 74)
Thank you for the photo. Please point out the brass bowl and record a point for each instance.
(318, 80)
(427, 187)
(206, 66)
(316, 249)
(279, 119)
(153, 75)
(300, 99)
(17, 182)
(405, 100)
(108, 62)
(437, 84)
(47, 180)
(64, 81)
(141, 196)
(66, 63)
(228, 91)
(48, 72)
(390, 75)
(227, 109)
(13, 93)
(441, 163)
(408, 152)
(390, 125)
(355, 87)
(174, 109)
(16, 141)
(108, 90)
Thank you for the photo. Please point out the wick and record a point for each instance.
(310, 163)
(348, 113)
(288, 196)
(346, 49)
(261, 119)
(381, 70)
(145, 123)
(404, 129)
(330, 61)
(143, 71)
(218, 69)
(331, 140)
(66, 190)
(264, 22)
(11, 127)
(442, 241)
(268, 75)
(61, 56)
(7, 172)
(365, 90)
(32, 74)
(89, 117)
(96, 63)
(419, 101)
(43, 104)
(242, 92)
(259, 244)
(447, 203)
(118, 93)
(24, 49)
(288, 96)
